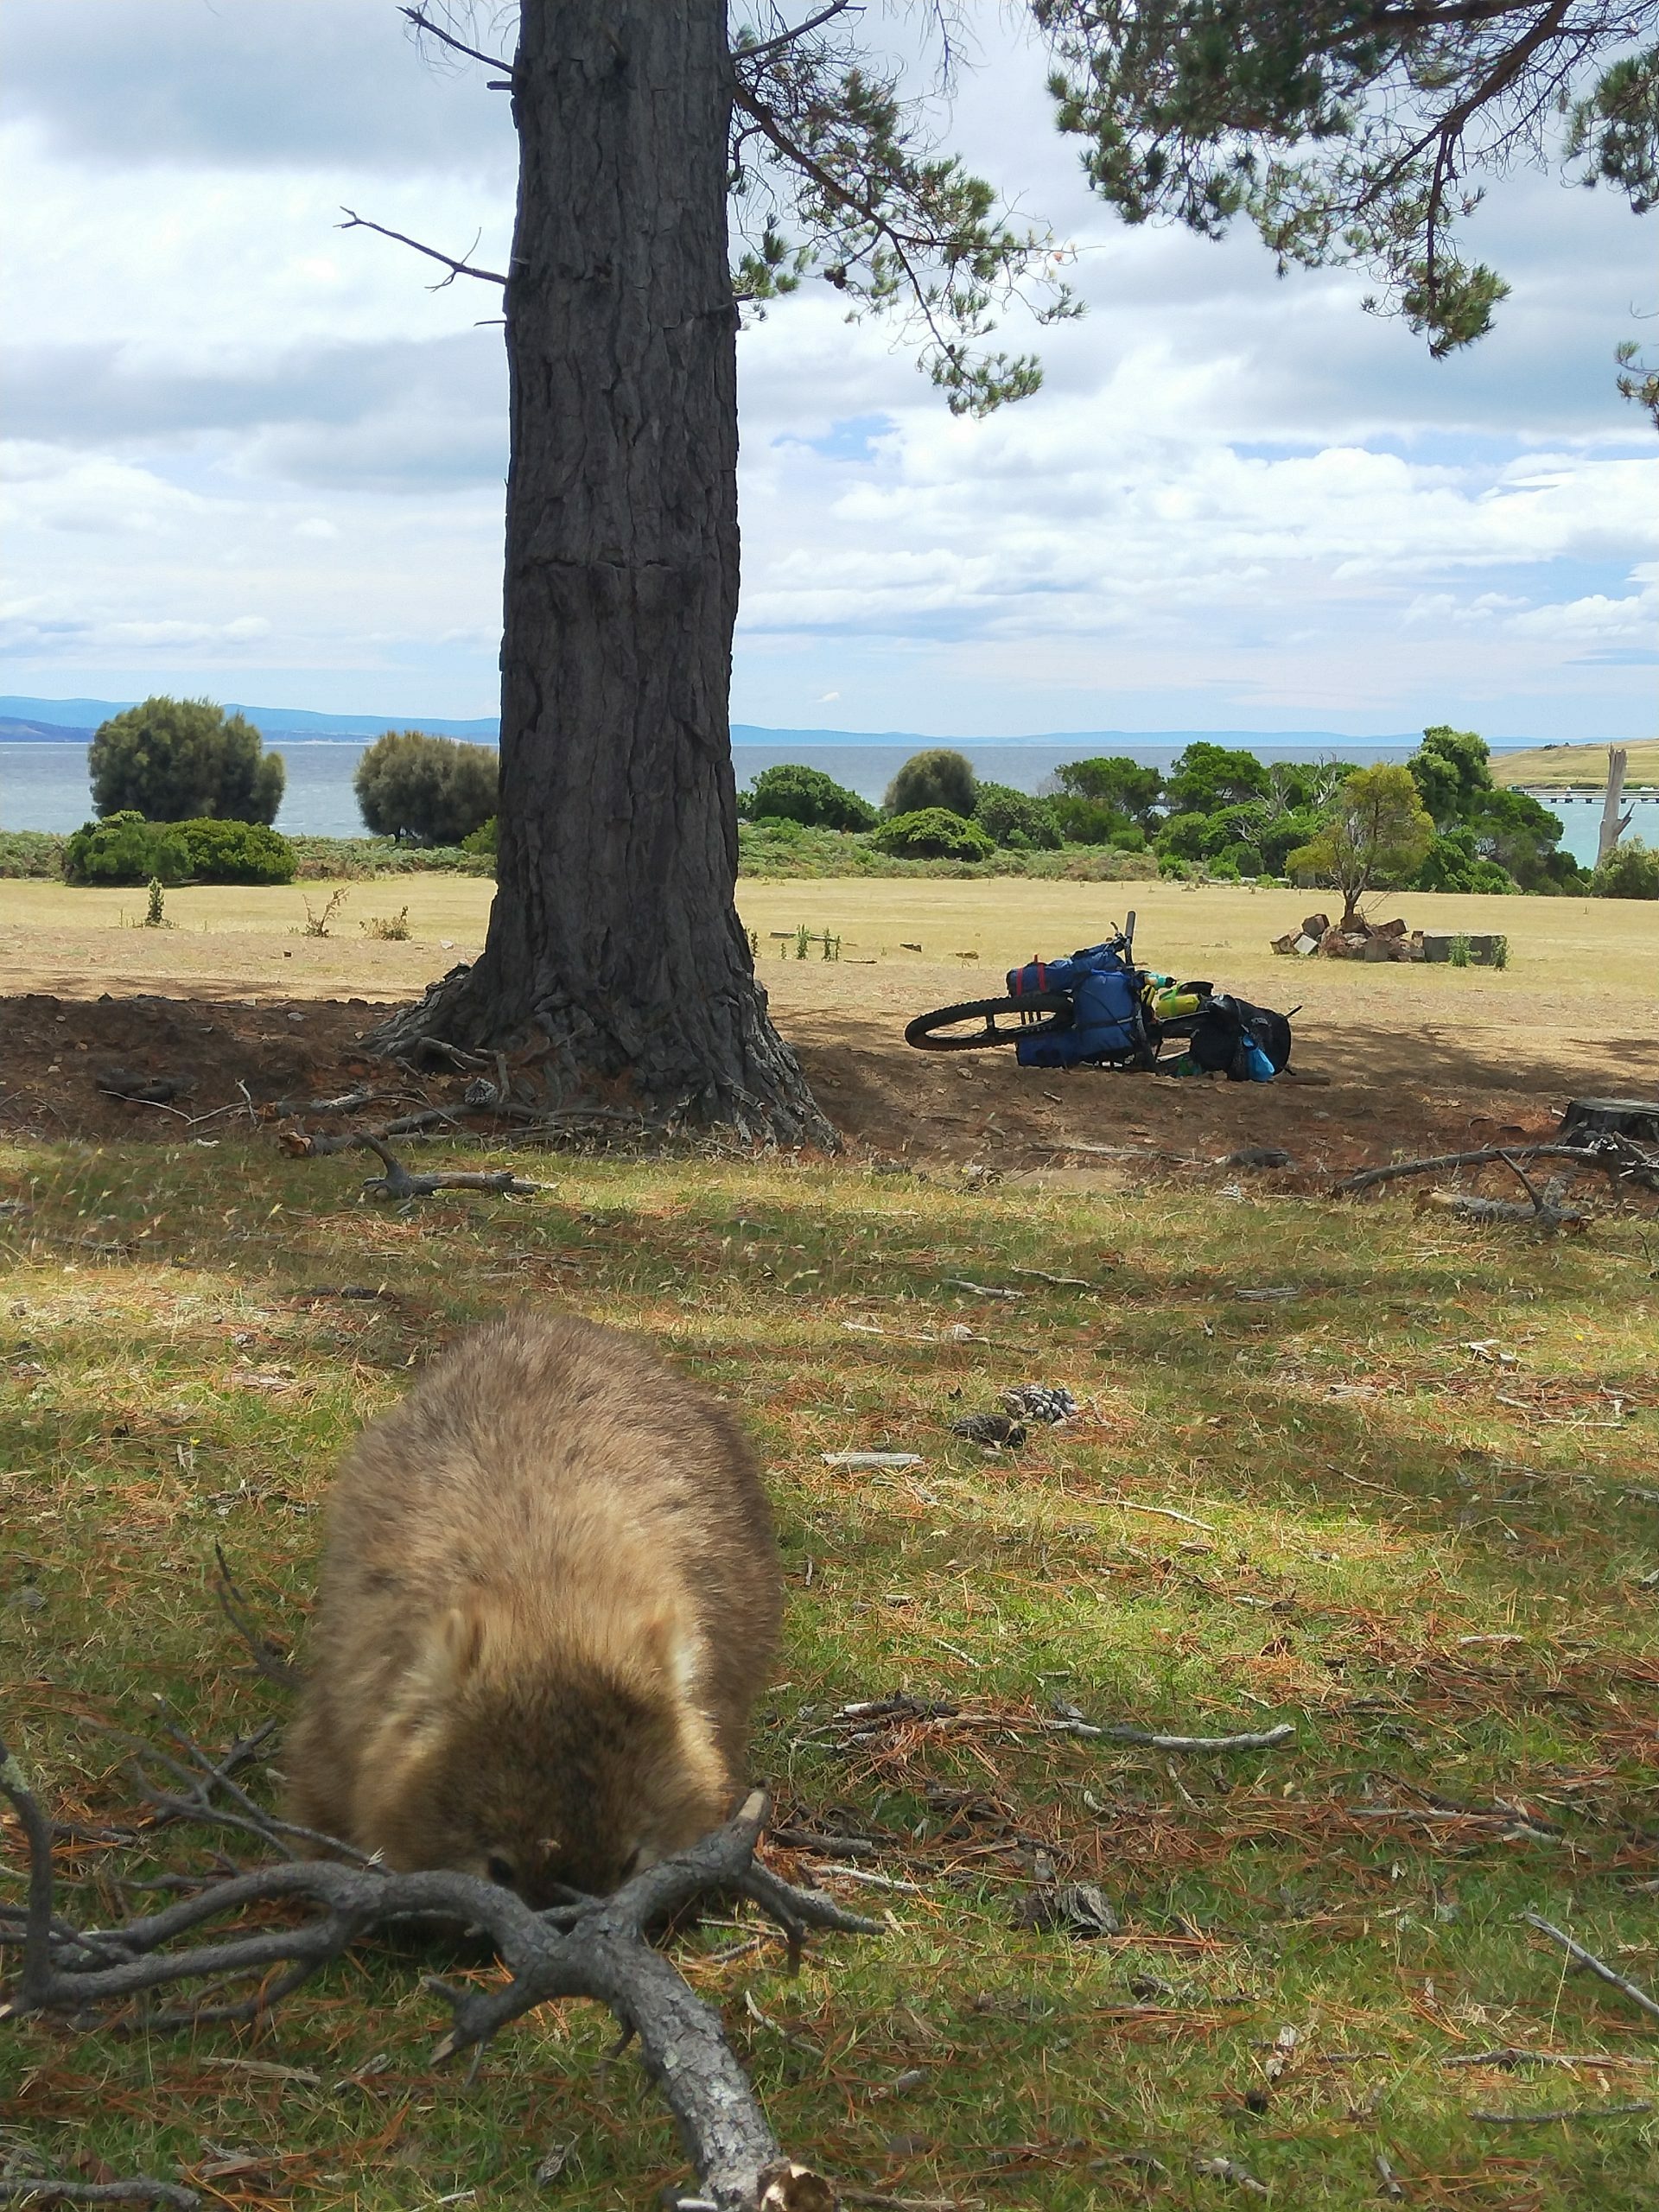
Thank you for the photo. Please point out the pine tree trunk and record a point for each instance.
(614, 944)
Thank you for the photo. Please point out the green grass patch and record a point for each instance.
(1409, 1510)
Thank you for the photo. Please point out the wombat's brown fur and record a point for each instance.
(549, 1595)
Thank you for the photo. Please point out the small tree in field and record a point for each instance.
(938, 776)
(184, 761)
(410, 785)
(1377, 838)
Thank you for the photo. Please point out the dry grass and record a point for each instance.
(1588, 960)
(1563, 765)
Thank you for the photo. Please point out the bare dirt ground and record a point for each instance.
(1395, 1059)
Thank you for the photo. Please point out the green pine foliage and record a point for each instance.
(436, 791)
(939, 776)
(1015, 819)
(1357, 136)
(180, 760)
(791, 792)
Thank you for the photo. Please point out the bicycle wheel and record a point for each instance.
(970, 1028)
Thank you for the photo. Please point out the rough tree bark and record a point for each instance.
(614, 941)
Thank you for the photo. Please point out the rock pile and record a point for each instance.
(1362, 940)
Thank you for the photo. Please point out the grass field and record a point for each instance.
(54, 937)
(1405, 1503)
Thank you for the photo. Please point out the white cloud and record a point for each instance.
(245, 438)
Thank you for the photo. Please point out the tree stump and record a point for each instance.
(1622, 1117)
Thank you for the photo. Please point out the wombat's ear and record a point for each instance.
(455, 1649)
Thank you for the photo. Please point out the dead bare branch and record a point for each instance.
(1595, 1966)
(356, 222)
(423, 22)
(399, 1183)
(1617, 1156)
(266, 1657)
(1546, 1214)
(595, 1948)
(138, 2189)
(300, 1144)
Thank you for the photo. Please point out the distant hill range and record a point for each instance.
(72, 721)
(24, 721)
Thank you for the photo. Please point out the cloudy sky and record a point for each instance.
(249, 454)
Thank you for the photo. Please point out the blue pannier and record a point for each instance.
(1106, 1019)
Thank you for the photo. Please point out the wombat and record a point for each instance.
(549, 1595)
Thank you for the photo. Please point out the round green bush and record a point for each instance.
(933, 833)
(436, 790)
(177, 759)
(792, 793)
(939, 779)
(124, 848)
(237, 852)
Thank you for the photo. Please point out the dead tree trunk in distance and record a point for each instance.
(614, 939)
(1613, 824)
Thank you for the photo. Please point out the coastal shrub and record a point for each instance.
(177, 759)
(1630, 871)
(484, 841)
(1455, 863)
(934, 833)
(237, 852)
(1006, 814)
(792, 793)
(33, 852)
(410, 783)
(124, 848)
(937, 779)
(1120, 784)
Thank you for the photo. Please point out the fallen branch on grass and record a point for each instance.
(1261, 1739)
(1617, 1156)
(1544, 1212)
(300, 1144)
(397, 1182)
(1563, 2111)
(1509, 2058)
(349, 1102)
(595, 1947)
(1547, 1215)
(268, 1657)
(1576, 1952)
(138, 2189)
(1070, 1722)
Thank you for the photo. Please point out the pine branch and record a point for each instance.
(356, 222)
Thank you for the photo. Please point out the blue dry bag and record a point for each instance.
(1106, 1019)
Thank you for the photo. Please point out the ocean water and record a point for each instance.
(44, 786)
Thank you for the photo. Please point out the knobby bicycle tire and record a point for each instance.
(926, 1032)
